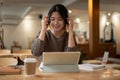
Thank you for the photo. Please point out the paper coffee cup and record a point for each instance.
(30, 66)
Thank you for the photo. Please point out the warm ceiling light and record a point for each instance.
(107, 23)
(70, 11)
(77, 20)
(108, 14)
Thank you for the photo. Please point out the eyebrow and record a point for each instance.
(54, 17)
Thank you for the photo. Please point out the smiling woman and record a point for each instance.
(15, 11)
(15, 22)
(60, 37)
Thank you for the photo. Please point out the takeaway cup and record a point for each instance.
(30, 66)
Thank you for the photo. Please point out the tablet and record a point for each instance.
(61, 58)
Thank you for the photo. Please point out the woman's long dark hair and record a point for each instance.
(61, 9)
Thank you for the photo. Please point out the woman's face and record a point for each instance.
(57, 22)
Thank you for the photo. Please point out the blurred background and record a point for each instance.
(20, 20)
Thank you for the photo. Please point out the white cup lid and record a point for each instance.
(30, 60)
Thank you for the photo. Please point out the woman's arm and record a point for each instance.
(44, 28)
(39, 42)
(71, 41)
(38, 46)
(72, 46)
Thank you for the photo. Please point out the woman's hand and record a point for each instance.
(70, 25)
(44, 23)
(71, 41)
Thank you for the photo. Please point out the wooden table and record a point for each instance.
(92, 61)
(16, 55)
(108, 74)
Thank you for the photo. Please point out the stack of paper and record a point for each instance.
(91, 67)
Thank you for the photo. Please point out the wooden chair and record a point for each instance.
(21, 58)
(22, 51)
(15, 48)
(5, 51)
(8, 61)
(4, 61)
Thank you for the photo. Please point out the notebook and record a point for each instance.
(92, 67)
(60, 62)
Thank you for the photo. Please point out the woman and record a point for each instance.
(55, 39)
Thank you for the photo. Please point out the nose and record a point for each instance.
(56, 21)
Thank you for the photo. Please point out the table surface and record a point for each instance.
(14, 54)
(107, 74)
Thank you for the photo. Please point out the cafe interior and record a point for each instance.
(96, 28)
